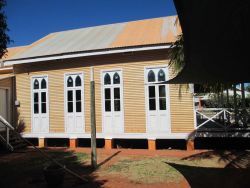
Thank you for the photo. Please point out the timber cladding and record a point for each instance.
(132, 66)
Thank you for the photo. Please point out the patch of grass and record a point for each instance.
(82, 157)
(213, 162)
(150, 170)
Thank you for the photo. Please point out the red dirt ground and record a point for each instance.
(199, 177)
(115, 181)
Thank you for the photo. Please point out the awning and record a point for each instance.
(216, 41)
(5, 76)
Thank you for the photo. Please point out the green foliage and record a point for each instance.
(177, 55)
(4, 38)
(248, 88)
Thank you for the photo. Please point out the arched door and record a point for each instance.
(40, 107)
(112, 102)
(157, 100)
(74, 103)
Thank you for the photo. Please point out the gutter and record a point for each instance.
(83, 54)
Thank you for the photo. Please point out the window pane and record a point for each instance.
(162, 102)
(36, 108)
(116, 78)
(161, 75)
(43, 84)
(117, 105)
(151, 91)
(107, 79)
(79, 106)
(70, 106)
(152, 104)
(44, 108)
(107, 105)
(36, 84)
(162, 91)
(35, 97)
(78, 95)
(70, 95)
(70, 82)
(43, 96)
(78, 81)
(107, 93)
(151, 76)
(117, 93)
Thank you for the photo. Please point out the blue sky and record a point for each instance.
(29, 20)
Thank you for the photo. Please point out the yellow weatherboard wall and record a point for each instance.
(132, 65)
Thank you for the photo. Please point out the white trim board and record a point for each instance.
(85, 54)
(109, 136)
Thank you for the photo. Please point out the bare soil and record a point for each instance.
(131, 168)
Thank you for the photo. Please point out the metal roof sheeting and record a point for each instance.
(14, 51)
(128, 34)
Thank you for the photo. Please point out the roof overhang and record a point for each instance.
(4, 70)
(5, 76)
(85, 54)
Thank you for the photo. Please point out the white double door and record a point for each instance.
(40, 107)
(74, 103)
(112, 100)
(157, 101)
(4, 106)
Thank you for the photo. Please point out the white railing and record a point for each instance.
(221, 117)
(6, 139)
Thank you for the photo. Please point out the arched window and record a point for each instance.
(36, 84)
(151, 76)
(161, 75)
(43, 84)
(70, 82)
(116, 78)
(78, 81)
(107, 79)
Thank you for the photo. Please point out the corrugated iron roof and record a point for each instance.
(136, 33)
(14, 51)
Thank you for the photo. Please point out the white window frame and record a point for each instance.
(165, 66)
(8, 90)
(102, 72)
(65, 99)
(32, 99)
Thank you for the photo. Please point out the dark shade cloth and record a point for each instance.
(216, 41)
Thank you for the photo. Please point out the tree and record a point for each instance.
(4, 38)
(248, 88)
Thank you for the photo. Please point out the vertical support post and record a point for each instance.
(227, 98)
(7, 136)
(227, 105)
(93, 120)
(190, 145)
(235, 105)
(152, 144)
(108, 144)
(243, 102)
(42, 142)
(73, 143)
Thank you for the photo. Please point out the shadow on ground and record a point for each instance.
(25, 169)
(235, 174)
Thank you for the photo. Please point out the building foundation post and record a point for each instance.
(152, 144)
(108, 143)
(42, 142)
(73, 142)
(190, 145)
